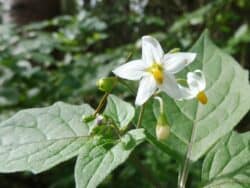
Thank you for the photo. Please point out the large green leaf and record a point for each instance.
(96, 160)
(228, 163)
(228, 101)
(119, 111)
(40, 138)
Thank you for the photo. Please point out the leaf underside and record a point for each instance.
(95, 161)
(121, 112)
(40, 138)
(228, 163)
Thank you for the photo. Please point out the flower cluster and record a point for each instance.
(156, 71)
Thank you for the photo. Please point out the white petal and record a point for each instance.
(170, 86)
(146, 89)
(175, 62)
(151, 50)
(196, 81)
(132, 70)
(187, 93)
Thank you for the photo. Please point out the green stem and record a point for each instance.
(182, 180)
(161, 104)
(101, 103)
(184, 174)
(140, 117)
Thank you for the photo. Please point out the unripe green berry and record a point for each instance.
(106, 84)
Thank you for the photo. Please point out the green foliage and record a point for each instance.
(61, 60)
(38, 139)
(96, 161)
(35, 62)
(119, 111)
(227, 164)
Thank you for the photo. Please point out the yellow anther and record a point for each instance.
(157, 71)
(202, 97)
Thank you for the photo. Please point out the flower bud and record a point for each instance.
(162, 129)
(88, 118)
(106, 84)
(162, 132)
(99, 120)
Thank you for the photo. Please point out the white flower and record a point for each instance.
(196, 86)
(155, 70)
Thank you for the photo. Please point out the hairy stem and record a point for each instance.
(101, 103)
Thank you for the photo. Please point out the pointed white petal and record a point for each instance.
(175, 62)
(146, 89)
(151, 50)
(170, 86)
(202, 80)
(196, 81)
(187, 93)
(132, 70)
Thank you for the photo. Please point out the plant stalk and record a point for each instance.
(183, 175)
(101, 103)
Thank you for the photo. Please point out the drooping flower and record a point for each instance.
(162, 129)
(155, 70)
(196, 87)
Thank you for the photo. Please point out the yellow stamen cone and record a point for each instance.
(157, 71)
(158, 75)
(202, 97)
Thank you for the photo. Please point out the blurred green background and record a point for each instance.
(56, 50)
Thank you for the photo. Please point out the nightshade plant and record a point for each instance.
(37, 139)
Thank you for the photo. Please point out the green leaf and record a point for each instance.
(40, 138)
(193, 18)
(97, 161)
(119, 111)
(196, 17)
(204, 125)
(228, 163)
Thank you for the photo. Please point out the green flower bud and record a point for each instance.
(106, 84)
(88, 118)
(162, 129)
